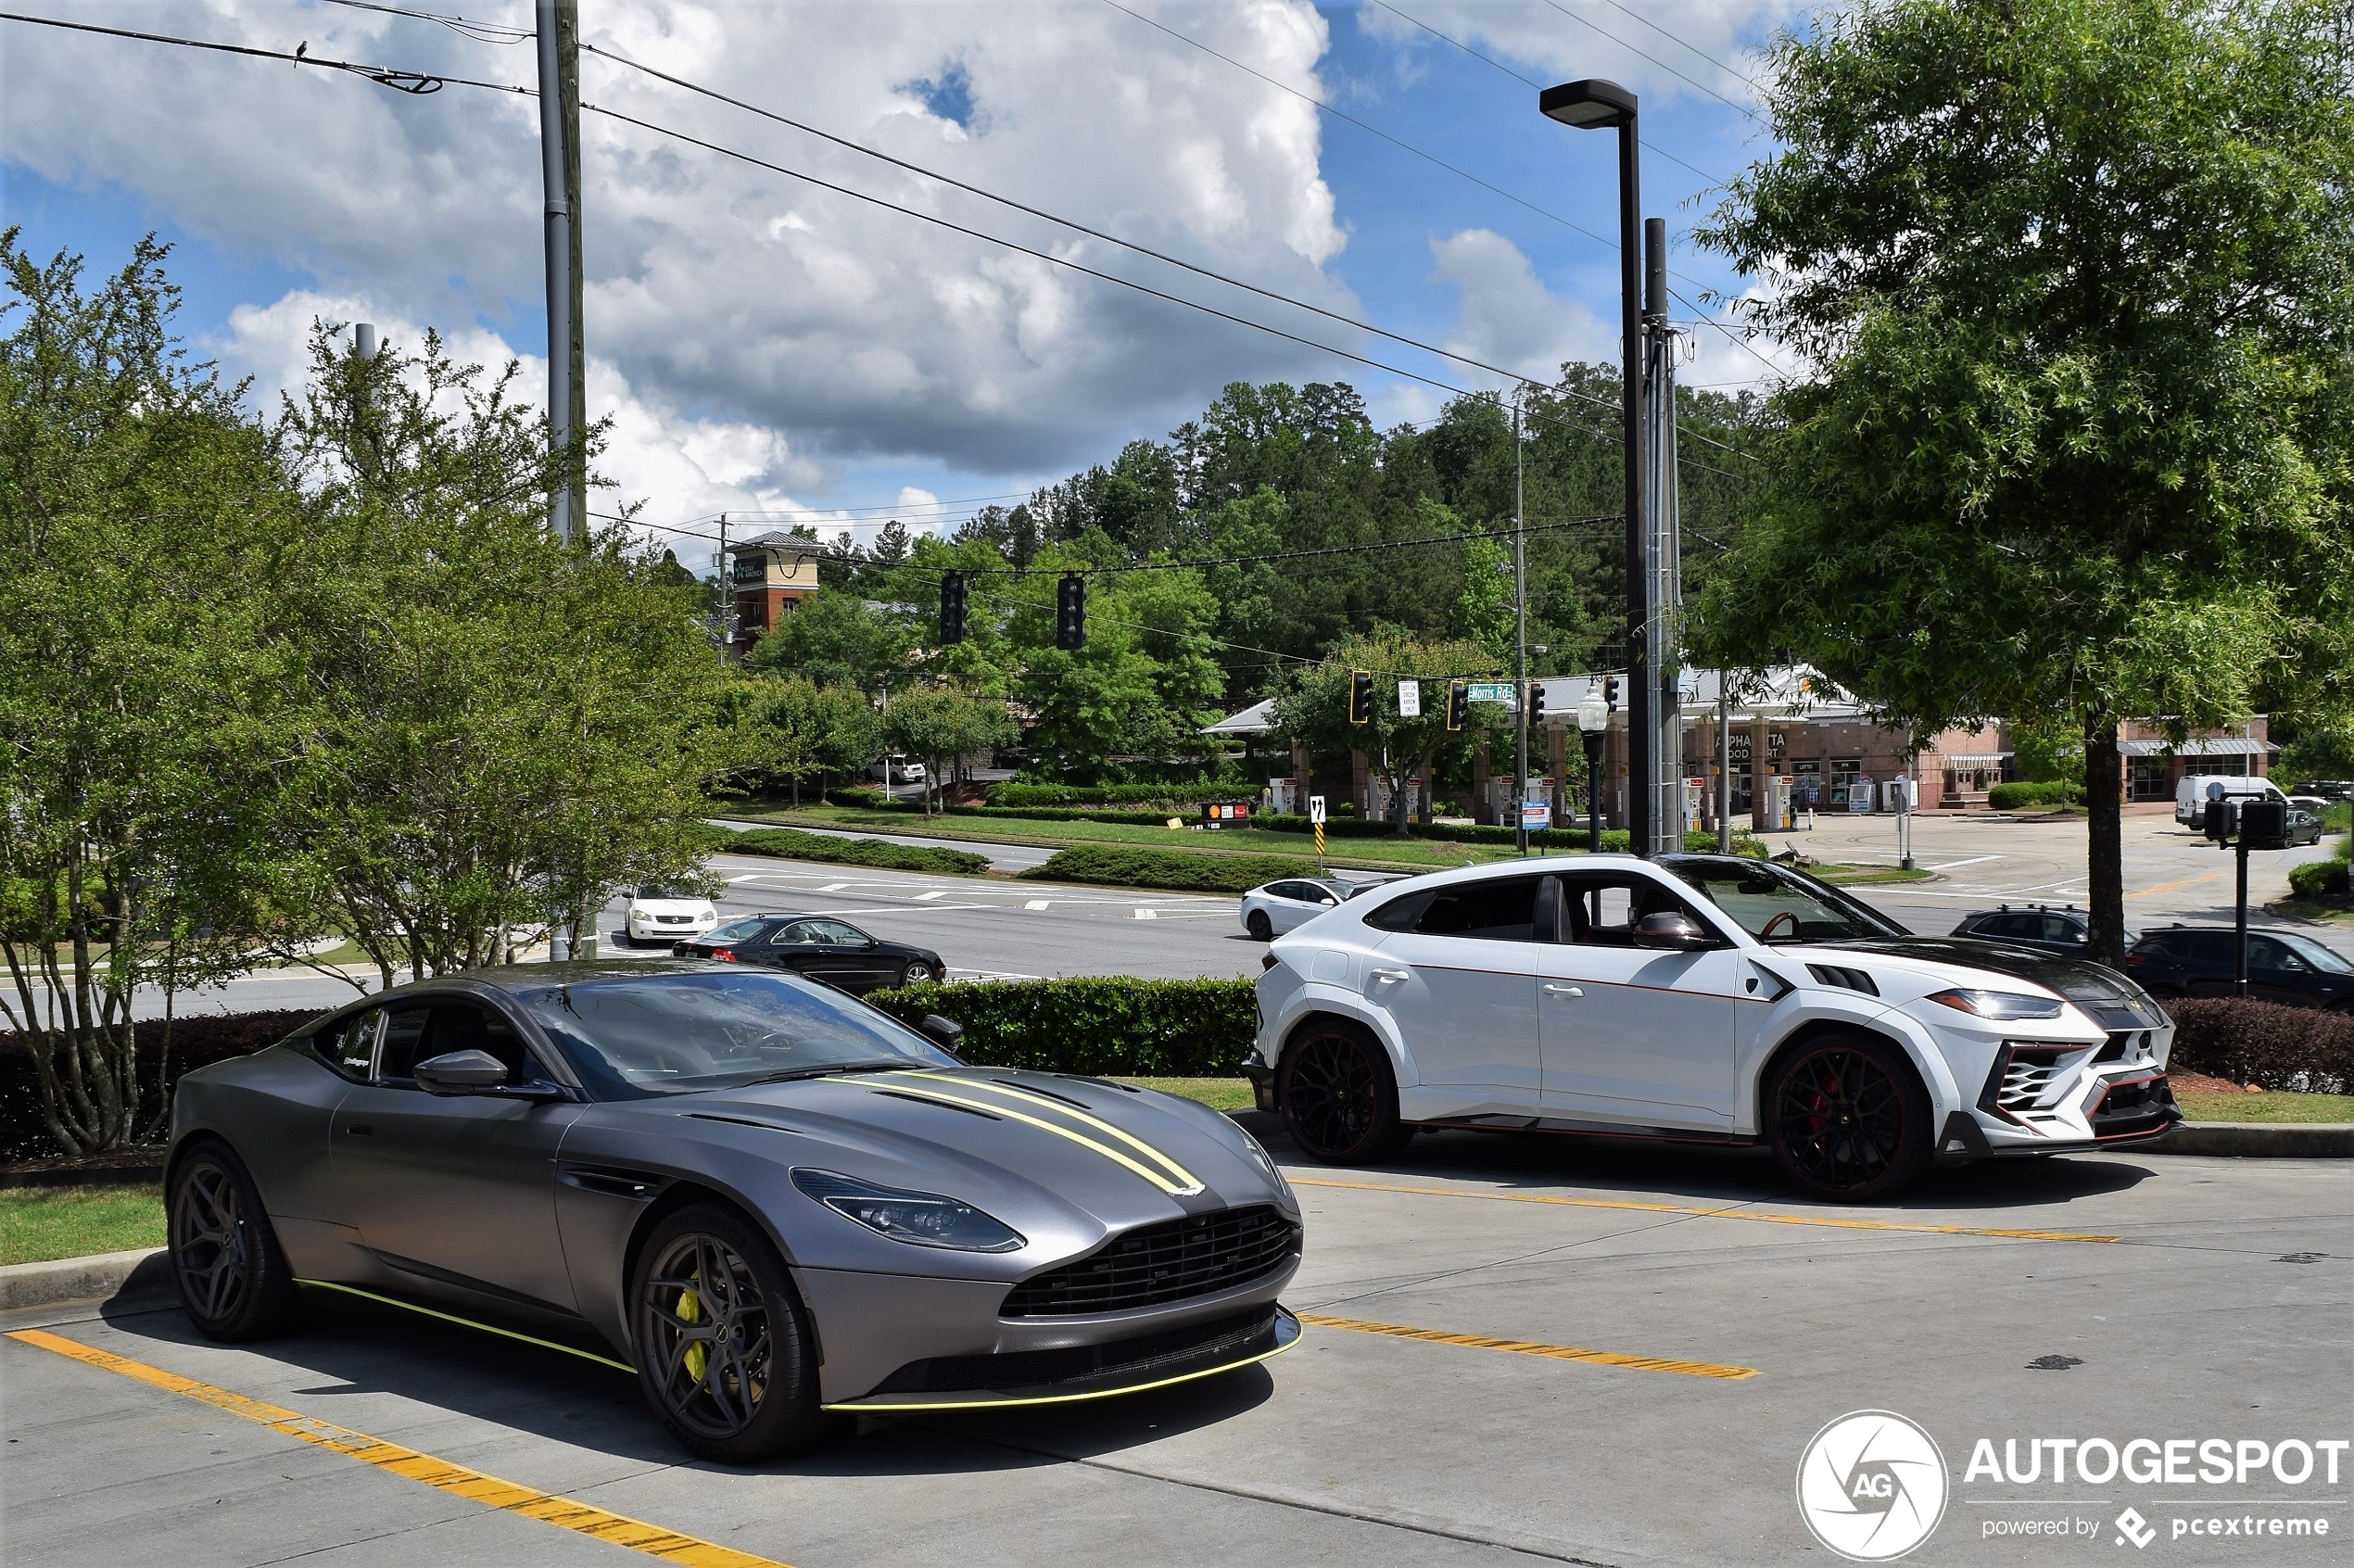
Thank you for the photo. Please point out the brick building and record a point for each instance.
(771, 574)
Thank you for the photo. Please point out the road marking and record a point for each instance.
(830, 887)
(1036, 903)
(1760, 1215)
(1146, 914)
(2169, 887)
(927, 897)
(1525, 1347)
(1975, 860)
(565, 1514)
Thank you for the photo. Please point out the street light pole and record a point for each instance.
(559, 29)
(1595, 105)
(1520, 638)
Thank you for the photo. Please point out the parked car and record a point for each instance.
(1704, 999)
(2281, 967)
(667, 913)
(2303, 825)
(2065, 931)
(1272, 908)
(819, 947)
(770, 1200)
(2193, 792)
(896, 770)
(2327, 789)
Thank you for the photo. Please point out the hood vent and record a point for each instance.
(1843, 978)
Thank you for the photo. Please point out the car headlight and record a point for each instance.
(918, 1218)
(2001, 1006)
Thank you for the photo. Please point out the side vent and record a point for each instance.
(612, 1180)
(1773, 986)
(1844, 978)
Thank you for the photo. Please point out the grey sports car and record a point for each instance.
(768, 1198)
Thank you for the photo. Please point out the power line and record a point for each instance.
(1740, 76)
(481, 32)
(1654, 59)
(413, 83)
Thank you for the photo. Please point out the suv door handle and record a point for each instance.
(1382, 974)
(1553, 990)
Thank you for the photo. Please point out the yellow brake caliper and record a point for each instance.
(690, 1312)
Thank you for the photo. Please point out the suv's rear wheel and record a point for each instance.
(1339, 1097)
(1848, 1119)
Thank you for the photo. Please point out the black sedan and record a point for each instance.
(819, 947)
(2281, 967)
(2065, 931)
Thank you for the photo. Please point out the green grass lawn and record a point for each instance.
(39, 1223)
(2276, 1106)
(1218, 1094)
(1840, 874)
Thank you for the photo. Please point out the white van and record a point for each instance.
(2191, 793)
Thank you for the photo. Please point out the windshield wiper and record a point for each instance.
(789, 1074)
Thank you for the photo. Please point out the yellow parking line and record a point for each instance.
(1525, 1347)
(1759, 1216)
(2169, 887)
(565, 1514)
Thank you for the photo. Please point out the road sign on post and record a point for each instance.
(1316, 819)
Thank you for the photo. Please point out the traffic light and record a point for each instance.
(2221, 821)
(1609, 692)
(2264, 824)
(952, 607)
(1536, 703)
(1070, 613)
(1458, 703)
(1360, 697)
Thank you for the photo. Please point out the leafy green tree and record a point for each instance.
(837, 638)
(141, 748)
(2074, 277)
(1484, 605)
(803, 729)
(940, 723)
(1312, 707)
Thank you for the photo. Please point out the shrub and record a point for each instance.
(196, 1039)
(2025, 796)
(1168, 796)
(1168, 868)
(889, 854)
(2265, 1043)
(1138, 1027)
(2322, 879)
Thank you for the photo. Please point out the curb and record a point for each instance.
(105, 1276)
(2257, 1140)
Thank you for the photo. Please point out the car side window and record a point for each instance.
(2213, 947)
(2058, 928)
(2263, 953)
(350, 1046)
(1503, 910)
(1600, 909)
(1402, 912)
(420, 1032)
(404, 1037)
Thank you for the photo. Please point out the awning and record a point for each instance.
(1968, 759)
(1256, 719)
(2218, 746)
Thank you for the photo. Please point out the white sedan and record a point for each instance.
(666, 911)
(1273, 908)
(1700, 998)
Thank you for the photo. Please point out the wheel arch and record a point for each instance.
(686, 1192)
(1928, 1069)
(1317, 1009)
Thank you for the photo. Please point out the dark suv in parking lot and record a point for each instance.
(2064, 931)
(2281, 967)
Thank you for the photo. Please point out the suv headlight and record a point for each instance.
(918, 1219)
(2001, 1006)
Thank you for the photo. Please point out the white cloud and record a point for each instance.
(739, 300)
(1507, 316)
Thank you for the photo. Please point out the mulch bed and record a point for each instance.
(126, 1168)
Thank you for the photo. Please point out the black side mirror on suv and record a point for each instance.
(1670, 928)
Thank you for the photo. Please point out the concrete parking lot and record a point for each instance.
(1518, 1348)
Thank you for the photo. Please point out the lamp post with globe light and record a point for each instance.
(1594, 718)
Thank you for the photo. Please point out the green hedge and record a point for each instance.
(2024, 796)
(1168, 868)
(1137, 1028)
(1615, 840)
(1172, 795)
(888, 854)
(2322, 879)
(2265, 1043)
(196, 1039)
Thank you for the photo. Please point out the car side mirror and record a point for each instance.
(945, 1032)
(461, 1072)
(1673, 929)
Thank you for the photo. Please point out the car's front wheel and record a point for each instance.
(1848, 1119)
(1339, 1097)
(232, 1279)
(918, 973)
(723, 1349)
(1258, 926)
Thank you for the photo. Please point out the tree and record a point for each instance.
(835, 637)
(1312, 708)
(2074, 280)
(808, 728)
(139, 751)
(940, 723)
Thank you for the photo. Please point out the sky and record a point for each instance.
(789, 354)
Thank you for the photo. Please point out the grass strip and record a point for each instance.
(41, 1224)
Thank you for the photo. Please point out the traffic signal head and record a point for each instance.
(1536, 703)
(1458, 703)
(1609, 692)
(1360, 697)
(1070, 613)
(952, 607)
(2222, 820)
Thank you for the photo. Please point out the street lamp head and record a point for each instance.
(1593, 713)
(1591, 105)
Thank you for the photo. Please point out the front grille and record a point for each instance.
(1168, 1351)
(2023, 1077)
(675, 920)
(1173, 1260)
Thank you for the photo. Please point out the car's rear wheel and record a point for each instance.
(1339, 1097)
(1258, 926)
(232, 1279)
(723, 1348)
(1848, 1119)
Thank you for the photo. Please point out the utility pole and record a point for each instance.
(1724, 764)
(559, 29)
(1520, 635)
(1655, 636)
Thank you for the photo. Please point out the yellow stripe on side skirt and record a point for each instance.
(565, 1514)
(1525, 1347)
(469, 1322)
(1189, 1181)
(891, 1084)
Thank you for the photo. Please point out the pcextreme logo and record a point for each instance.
(1871, 1486)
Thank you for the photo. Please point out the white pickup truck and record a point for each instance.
(2191, 794)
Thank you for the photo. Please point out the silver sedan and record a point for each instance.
(1273, 908)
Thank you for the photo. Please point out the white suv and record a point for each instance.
(1702, 998)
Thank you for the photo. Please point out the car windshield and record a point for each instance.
(2313, 952)
(668, 890)
(634, 1036)
(1777, 905)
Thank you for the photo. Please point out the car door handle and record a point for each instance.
(1380, 974)
(1553, 990)
(359, 1128)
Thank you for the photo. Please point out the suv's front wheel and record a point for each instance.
(1339, 1097)
(1848, 1119)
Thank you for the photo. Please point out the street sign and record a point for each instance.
(1316, 809)
(1410, 698)
(1491, 691)
(1536, 816)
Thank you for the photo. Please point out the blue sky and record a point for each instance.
(766, 349)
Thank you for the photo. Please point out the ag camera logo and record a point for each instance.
(1871, 1486)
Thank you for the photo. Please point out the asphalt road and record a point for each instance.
(1528, 1350)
